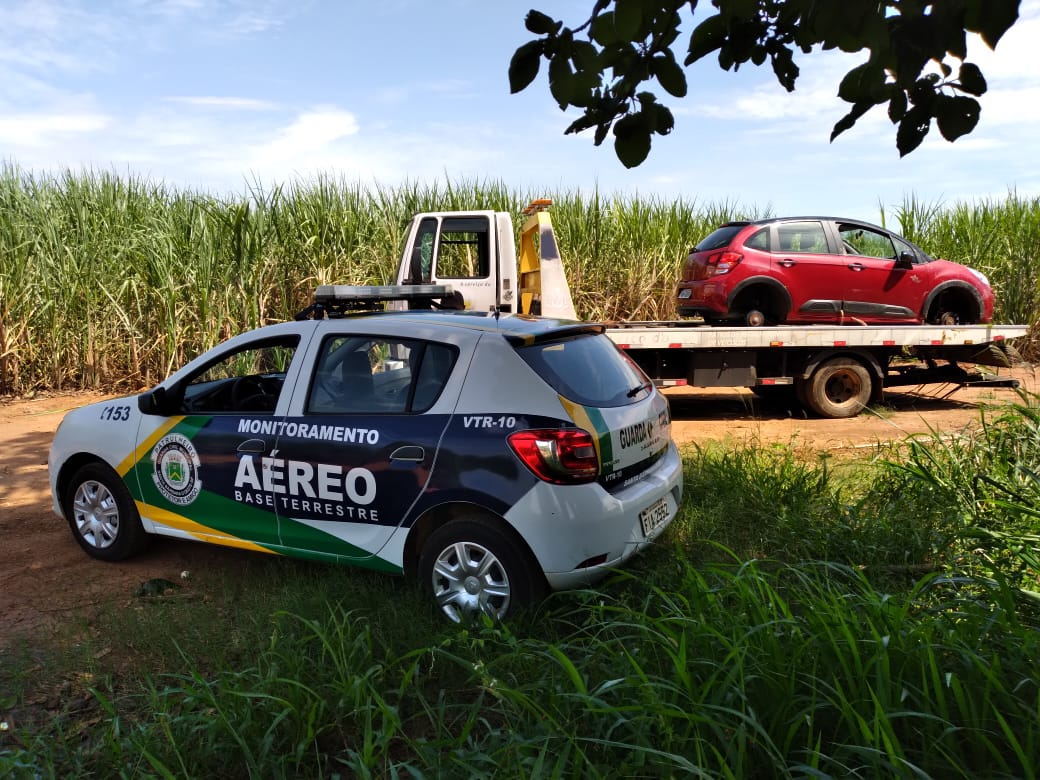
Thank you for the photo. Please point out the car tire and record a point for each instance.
(754, 318)
(102, 514)
(471, 568)
(952, 307)
(840, 387)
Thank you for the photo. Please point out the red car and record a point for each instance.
(825, 270)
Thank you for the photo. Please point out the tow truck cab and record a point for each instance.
(474, 253)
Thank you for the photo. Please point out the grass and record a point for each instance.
(110, 282)
(783, 628)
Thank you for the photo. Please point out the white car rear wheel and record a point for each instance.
(473, 569)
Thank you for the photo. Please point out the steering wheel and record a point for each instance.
(251, 394)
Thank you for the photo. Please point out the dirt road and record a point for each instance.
(47, 584)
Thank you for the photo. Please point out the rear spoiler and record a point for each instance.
(556, 334)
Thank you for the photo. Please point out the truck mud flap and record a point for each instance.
(733, 368)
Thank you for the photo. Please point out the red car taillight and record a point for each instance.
(561, 456)
(723, 262)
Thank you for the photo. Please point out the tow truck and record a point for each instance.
(831, 371)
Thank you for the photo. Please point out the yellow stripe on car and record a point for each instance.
(201, 532)
(146, 445)
(579, 416)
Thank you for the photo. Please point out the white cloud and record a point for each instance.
(770, 102)
(313, 141)
(242, 104)
(1017, 106)
(220, 18)
(312, 131)
(40, 130)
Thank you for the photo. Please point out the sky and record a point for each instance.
(224, 95)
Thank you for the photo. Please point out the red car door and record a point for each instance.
(814, 275)
(885, 281)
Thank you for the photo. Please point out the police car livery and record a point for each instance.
(490, 456)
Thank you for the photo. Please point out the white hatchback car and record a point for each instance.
(493, 457)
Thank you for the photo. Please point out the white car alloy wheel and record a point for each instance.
(474, 566)
(96, 514)
(468, 580)
(102, 514)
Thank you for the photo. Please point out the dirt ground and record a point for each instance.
(47, 583)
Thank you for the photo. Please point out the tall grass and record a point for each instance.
(110, 282)
(727, 672)
(781, 629)
(982, 489)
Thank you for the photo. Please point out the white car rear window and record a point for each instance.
(589, 370)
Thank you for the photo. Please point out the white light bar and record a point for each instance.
(345, 293)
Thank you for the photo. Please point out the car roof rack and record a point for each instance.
(339, 300)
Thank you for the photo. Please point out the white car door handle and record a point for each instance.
(252, 445)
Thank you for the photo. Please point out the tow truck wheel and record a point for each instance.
(102, 514)
(472, 569)
(840, 387)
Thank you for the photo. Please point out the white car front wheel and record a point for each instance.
(102, 514)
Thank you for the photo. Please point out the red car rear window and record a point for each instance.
(719, 237)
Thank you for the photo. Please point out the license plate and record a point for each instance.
(653, 516)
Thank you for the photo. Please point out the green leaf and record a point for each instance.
(663, 121)
(523, 67)
(632, 147)
(739, 9)
(628, 19)
(669, 74)
(863, 82)
(956, 116)
(847, 121)
(784, 68)
(665, 28)
(991, 18)
(585, 56)
(583, 88)
(560, 80)
(726, 58)
(603, 31)
(897, 105)
(582, 123)
(628, 124)
(830, 23)
(540, 24)
(923, 93)
(913, 127)
(706, 37)
(971, 79)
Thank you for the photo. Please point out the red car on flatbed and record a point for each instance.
(825, 270)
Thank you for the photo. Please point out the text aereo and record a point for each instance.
(300, 479)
